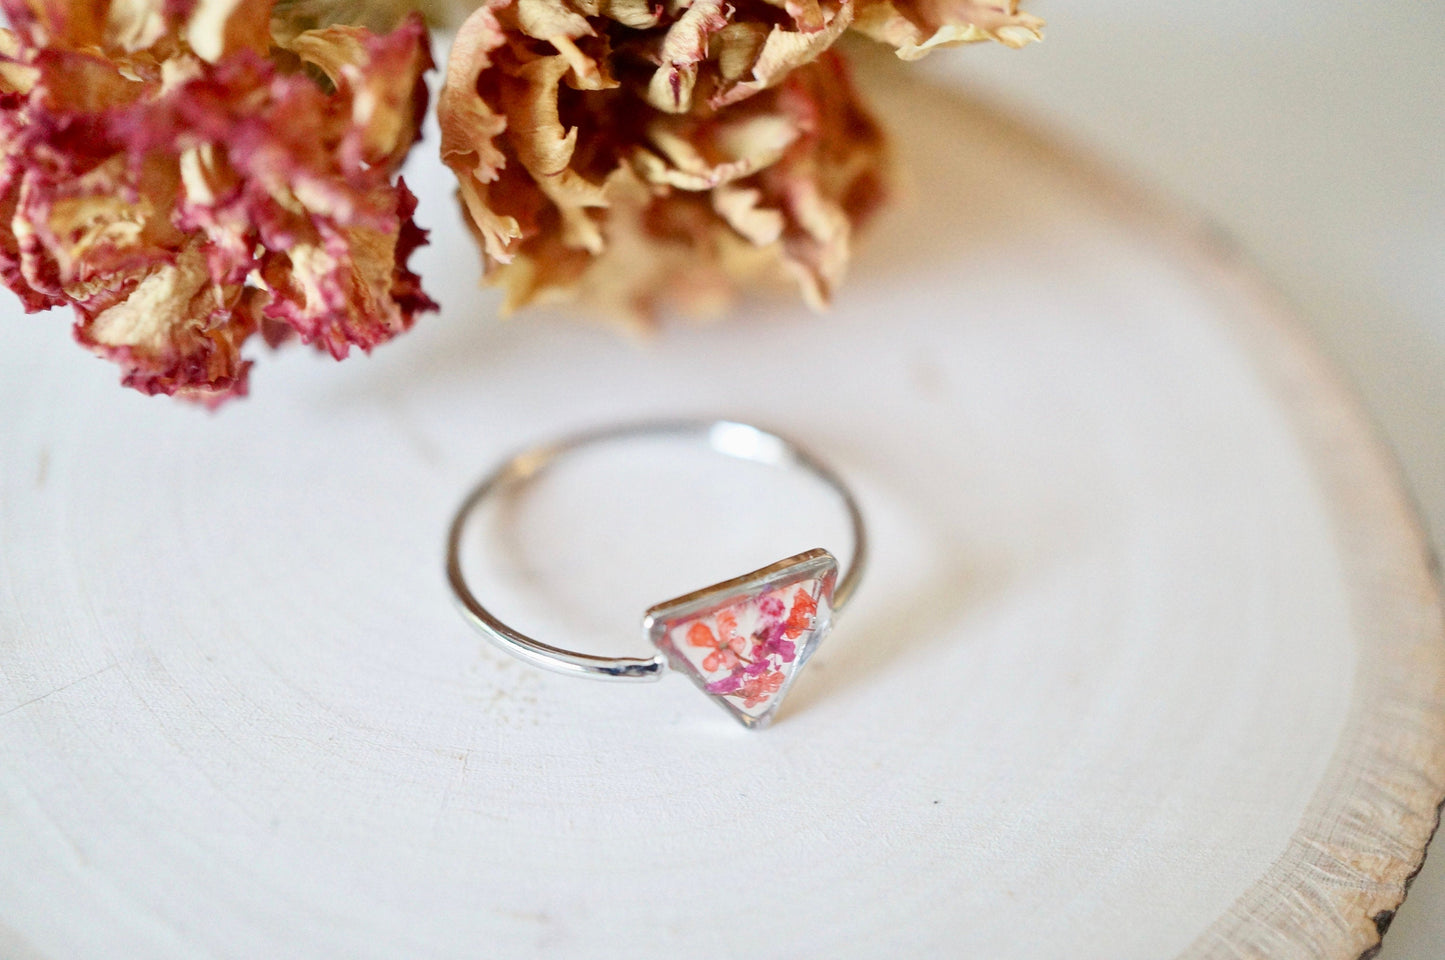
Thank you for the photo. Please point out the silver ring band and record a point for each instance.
(729, 438)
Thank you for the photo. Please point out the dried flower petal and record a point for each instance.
(171, 170)
(915, 27)
(628, 168)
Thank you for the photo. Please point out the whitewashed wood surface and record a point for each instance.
(1148, 664)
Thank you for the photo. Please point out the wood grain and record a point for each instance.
(1149, 662)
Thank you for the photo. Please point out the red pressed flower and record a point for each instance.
(800, 618)
(186, 173)
(725, 647)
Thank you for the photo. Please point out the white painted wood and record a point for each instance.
(1148, 664)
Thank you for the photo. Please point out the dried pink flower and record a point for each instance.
(185, 173)
(627, 155)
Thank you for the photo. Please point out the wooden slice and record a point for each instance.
(1148, 662)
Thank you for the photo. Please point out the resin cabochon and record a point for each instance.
(743, 642)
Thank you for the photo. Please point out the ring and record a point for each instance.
(742, 641)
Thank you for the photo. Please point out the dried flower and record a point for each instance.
(184, 176)
(914, 27)
(800, 620)
(754, 672)
(187, 173)
(723, 647)
(769, 642)
(758, 689)
(630, 155)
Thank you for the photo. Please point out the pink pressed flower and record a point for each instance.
(759, 689)
(725, 648)
(186, 173)
(769, 642)
(728, 684)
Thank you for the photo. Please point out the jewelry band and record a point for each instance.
(791, 603)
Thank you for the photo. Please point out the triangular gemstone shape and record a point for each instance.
(743, 641)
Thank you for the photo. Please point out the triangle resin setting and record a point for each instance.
(743, 641)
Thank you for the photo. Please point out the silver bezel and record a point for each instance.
(815, 564)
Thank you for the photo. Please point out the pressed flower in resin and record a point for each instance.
(744, 641)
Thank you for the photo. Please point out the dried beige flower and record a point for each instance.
(184, 177)
(914, 27)
(628, 156)
(911, 27)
